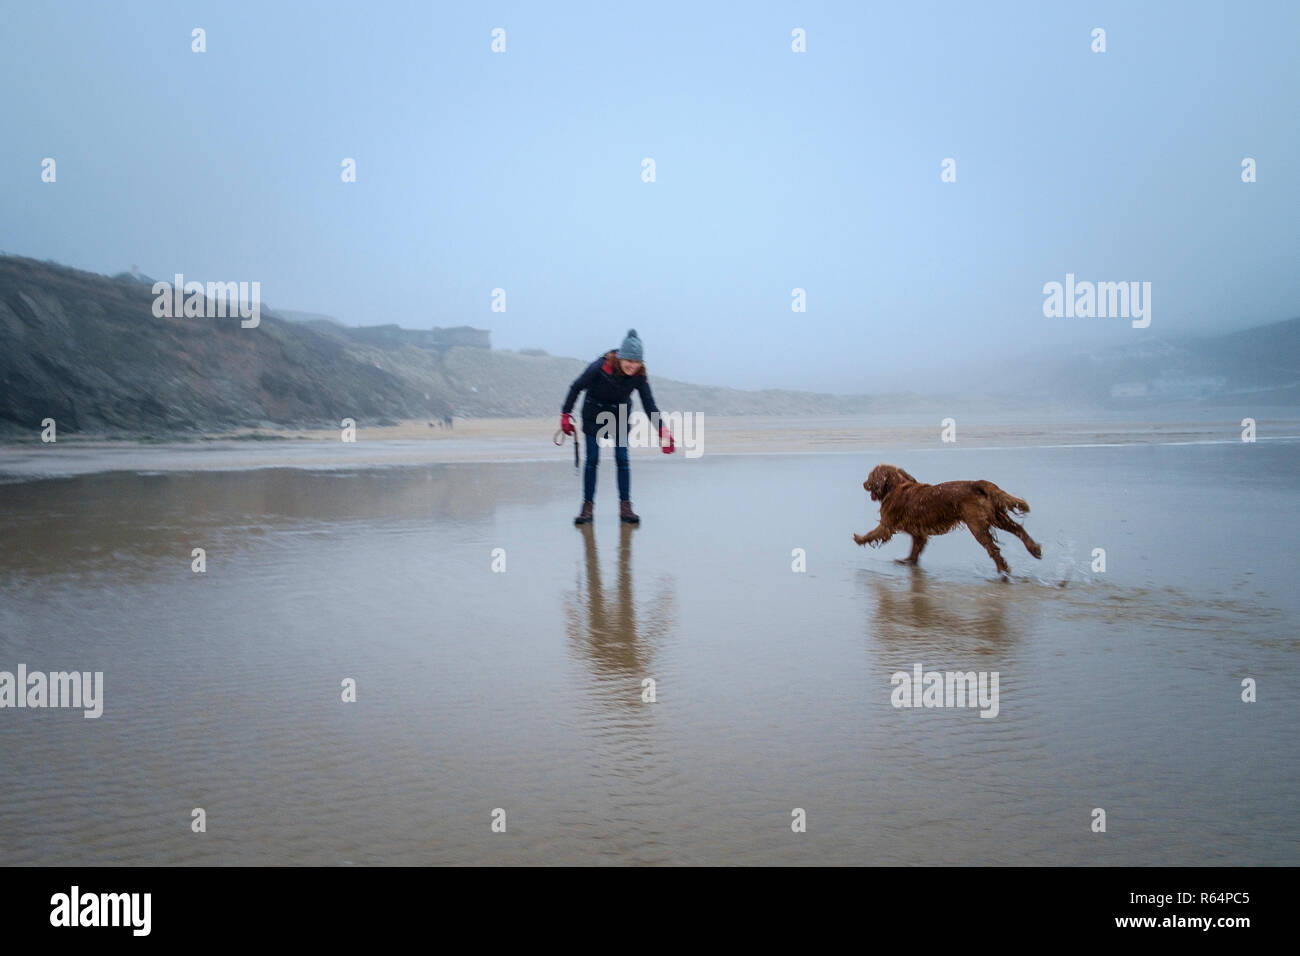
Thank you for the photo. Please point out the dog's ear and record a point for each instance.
(876, 482)
(885, 483)
(884, 479)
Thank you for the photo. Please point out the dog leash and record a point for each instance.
(559, 434)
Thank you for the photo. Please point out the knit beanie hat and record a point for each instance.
(631, 347)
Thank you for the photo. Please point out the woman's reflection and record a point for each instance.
(604, 626)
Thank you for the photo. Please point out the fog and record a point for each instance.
(774, 170)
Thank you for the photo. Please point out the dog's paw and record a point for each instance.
(859, 539)
(1037, 551)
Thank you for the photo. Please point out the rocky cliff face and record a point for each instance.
(87, 351)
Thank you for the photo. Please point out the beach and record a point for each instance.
(500, 656)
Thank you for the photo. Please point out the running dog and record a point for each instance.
(910, 507)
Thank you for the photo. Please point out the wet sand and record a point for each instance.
(522, 688)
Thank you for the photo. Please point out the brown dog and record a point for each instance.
(921, 510)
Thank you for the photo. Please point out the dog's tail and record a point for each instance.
(1001, 499)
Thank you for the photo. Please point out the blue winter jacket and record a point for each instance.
(606, 390)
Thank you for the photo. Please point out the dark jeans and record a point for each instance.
(589, 471)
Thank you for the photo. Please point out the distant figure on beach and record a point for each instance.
(609, 382)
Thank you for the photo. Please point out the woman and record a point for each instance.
(609, 382)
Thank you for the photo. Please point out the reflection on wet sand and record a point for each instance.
(523, 689)
(603, 625)
(123, 521)
(615, 640)
(917, 613)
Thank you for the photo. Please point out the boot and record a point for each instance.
(585, 516)
(625, 513)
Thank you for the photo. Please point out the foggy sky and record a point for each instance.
(775, 170)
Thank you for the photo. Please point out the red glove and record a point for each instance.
(668, 448)
(566, 423)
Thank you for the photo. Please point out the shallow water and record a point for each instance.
(522, 690)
